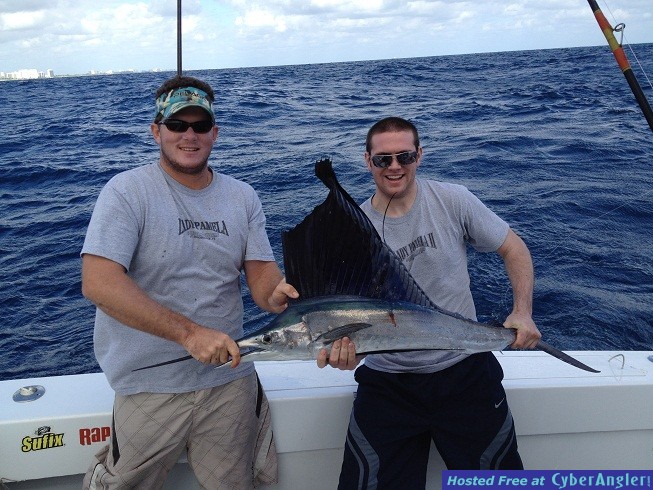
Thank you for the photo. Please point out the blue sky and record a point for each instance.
(78, 36)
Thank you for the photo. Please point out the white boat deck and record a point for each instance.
(565, 419)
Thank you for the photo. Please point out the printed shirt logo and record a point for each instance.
(45, 439)
(416, 247)
(203, 229)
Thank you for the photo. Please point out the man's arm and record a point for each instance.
(267, 285)
(107, 285)
(519, 267)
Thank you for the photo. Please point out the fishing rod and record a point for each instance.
(178, 38)
(622, 60)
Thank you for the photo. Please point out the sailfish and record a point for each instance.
(351, 284)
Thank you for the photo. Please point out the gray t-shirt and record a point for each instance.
(186, 249)
(431, 240)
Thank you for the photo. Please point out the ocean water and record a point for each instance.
(552, 140)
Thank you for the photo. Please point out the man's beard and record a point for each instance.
(176, 166)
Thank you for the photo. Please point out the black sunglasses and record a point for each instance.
(179, 126)
(404, 158)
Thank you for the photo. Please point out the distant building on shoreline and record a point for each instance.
(31, 74)
(26, 74)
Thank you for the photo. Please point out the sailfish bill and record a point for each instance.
(351, 284)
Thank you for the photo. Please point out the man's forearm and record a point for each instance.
(106, 284)
(519, 267)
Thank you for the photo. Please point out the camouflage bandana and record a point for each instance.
(180, 98)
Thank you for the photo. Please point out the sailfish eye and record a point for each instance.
(267, 338)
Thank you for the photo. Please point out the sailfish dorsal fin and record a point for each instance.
(337, 250)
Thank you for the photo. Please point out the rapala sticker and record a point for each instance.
(94, 434)
(45, 439)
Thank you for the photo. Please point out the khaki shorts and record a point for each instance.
(226, 431)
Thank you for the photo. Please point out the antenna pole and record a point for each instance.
(178, 38)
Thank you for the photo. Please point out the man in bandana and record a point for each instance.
(162, 261)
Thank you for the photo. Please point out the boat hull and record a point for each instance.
(565, 419)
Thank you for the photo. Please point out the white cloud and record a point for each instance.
(21, 20)
(262, 18)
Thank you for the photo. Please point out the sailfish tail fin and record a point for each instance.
(549, 349)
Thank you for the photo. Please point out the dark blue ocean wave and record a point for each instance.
(552, 140)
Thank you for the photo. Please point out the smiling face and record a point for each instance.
(396, 180)
(184, 156)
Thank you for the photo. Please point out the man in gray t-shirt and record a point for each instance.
(405, 400)
(162, 261)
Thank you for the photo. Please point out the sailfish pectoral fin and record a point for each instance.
(331, 336)
(543, 346)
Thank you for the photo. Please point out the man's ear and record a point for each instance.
(156, 132)
(368, 162)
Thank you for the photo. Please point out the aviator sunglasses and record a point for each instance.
(404, 158)
(179, 126)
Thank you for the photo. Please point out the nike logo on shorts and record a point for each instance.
(497, 405)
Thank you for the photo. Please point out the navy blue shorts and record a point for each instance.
(463, 409)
